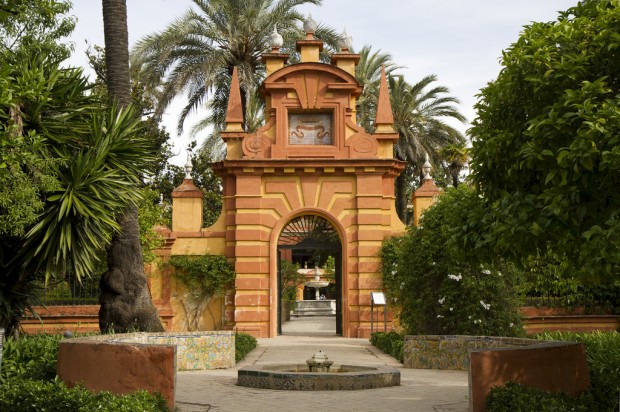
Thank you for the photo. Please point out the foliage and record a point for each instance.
(28, 382)
(546, 144)
(390, 343)
(31, 27)
(196, 53)
(455, 158)
(150, 214)
(290, 279)
(438, 291)
(77, 166)
(30, 357)
(244, 344)
(97, 164)
(603, 357)
(518, 398)
(25, 395)
(99, 177)
(545, 283)
(206, 275)
(419, 111)
(368, 75)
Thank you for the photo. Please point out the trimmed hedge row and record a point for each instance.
(244, 344)
(27, 395)
(390, 343)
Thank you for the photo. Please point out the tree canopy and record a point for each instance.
(546, 143)
(196, 53)
(35, 25)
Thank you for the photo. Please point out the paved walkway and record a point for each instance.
(420, 390)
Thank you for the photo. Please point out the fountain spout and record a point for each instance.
(319, 362)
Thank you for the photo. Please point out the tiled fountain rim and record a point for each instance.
(360, 377)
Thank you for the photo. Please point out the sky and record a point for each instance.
(460, 41)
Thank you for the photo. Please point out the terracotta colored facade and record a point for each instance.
(310, 158)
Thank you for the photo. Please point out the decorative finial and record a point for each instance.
(345, 41)
(161, 199)
(426, 169)
(188, 167)
(275, 39)
(309, 25)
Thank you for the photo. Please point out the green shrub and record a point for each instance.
(205, 276)
(244, 344)
(603, 356)
(26, 395)
(518, 398)
(438, 289)
(550, 281)
(30, 357)
(390, 343)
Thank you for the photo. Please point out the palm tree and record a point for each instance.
(196, 53)
(91, 167)
(419, 111)
(125, 299)
(368, 75)
(455, 157)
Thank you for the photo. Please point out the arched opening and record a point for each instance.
(309, 277)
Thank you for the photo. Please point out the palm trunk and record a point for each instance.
(401, 196)
(125, 300)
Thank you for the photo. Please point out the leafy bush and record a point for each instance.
(549, 280)
(26, 395)
(205, 276)
(518, 398)
(30, 357)
(440, 292)
(603, 356)
(290, 279)
(390, 343)
(244, 344)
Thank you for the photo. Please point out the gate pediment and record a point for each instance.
(310, 109)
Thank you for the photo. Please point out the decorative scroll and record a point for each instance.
(310, 129)
(255, 147)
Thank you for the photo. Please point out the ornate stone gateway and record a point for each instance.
(311, 238)
(309, 179)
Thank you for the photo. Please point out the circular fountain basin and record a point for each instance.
(297, 378)
(316, 284)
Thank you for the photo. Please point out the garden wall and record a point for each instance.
(451, 352)
(124, 363)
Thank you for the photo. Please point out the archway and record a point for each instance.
(310, 242)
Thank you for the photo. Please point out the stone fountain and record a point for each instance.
(318, 306)
(317, 374)
(317, 283)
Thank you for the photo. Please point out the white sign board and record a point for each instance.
(378, 298)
